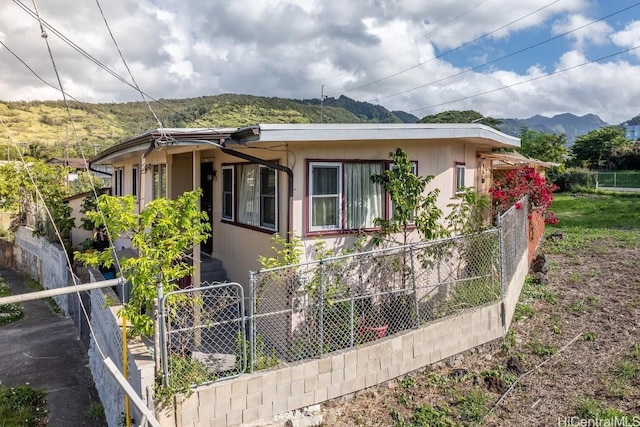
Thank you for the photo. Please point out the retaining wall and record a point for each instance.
(45, 262)
(107, 327)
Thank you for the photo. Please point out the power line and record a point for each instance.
(106, 23)
(427, 34)
(528, 80)
(507, 55)
(448, 51)
(93, 59)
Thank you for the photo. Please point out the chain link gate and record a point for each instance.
(204, 337)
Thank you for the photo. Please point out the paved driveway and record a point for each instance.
(44, 350)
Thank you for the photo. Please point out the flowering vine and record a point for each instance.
(517, 183)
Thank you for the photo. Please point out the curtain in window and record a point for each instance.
(363, 199)
(249, 195)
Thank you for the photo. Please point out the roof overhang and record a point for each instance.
(467, 132)
(157, 138)
(474, 133)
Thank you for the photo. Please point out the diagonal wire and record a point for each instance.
(44, 35)
(427, 34)
(447, 52)
(508, 55)
(530, 80)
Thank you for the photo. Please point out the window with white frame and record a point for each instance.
(461, 170)
(134, 180)
(118, 185)
(342, 196)
(228, 195)
(253, 189)
(159, 181)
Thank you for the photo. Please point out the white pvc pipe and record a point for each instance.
(146, 412)
(29, 296)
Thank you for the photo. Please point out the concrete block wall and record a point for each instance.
(256, 398)
(44, 261)
(107, 327)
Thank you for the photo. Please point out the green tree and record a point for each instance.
(162, 234)
(412, 208)
(548, 147)
(467, 116)
(36, 188)
(598, 148)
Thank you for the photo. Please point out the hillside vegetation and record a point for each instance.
(44, 126)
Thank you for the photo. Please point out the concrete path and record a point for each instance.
(44, 350)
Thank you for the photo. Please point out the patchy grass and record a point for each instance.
(22, 406)
(8, 312)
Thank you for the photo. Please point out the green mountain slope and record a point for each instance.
(44, 129)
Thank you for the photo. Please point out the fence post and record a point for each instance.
(164, 356)
(252, 326)
(503, 291)
(415, 289)
(320, 308)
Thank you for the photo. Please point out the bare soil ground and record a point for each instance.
(577, 339)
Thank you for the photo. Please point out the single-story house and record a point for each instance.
(309, 179)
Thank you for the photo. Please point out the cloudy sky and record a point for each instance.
(503, 58)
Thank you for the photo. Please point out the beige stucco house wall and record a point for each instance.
(180, 157)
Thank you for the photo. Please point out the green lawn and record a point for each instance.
(596, 211)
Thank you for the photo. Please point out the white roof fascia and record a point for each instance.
(382, 131)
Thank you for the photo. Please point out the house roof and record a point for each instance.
(473, 132)
(72, 162)
(467, 132)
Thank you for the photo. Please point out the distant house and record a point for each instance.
(79, 165)
(307, 179)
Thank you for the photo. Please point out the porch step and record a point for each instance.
(211, 270)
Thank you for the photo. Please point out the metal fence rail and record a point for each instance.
(308, 310)
(204, 334)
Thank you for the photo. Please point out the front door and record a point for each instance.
(206, 183)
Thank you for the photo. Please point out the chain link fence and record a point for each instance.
(308, 310)
(513, 237)
(311, 309)
(204, 336)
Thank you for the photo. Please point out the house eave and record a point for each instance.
(468, 132)
(172, 137)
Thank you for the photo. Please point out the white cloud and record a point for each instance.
(596, 33)
(290, 48)
(629, 37)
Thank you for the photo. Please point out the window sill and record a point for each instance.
(249, 227)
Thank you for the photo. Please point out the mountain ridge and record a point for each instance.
(99, 126)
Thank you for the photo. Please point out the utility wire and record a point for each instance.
(528, 80)
(94, 60)
(507, 55)
(106, 23)
(447, 52)
(427, 34)
(44, 35)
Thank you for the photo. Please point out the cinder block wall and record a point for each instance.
(257, 397)
(44, 261)
(107, 327)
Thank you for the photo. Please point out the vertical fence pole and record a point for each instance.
(252, 325)
(499, 225)
(415, 289)
(320, 308)
(615, 180)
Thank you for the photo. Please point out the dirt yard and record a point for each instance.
(572, 355)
